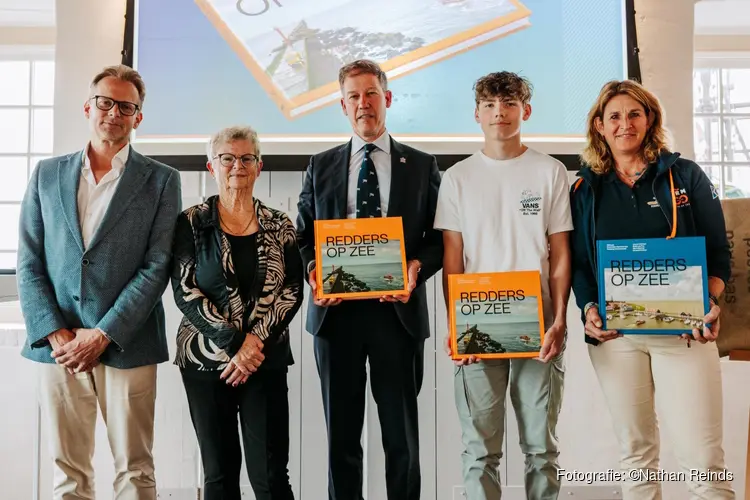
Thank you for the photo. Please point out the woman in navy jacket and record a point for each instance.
(633, 186)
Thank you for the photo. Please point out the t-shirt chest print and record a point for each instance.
(531, 202)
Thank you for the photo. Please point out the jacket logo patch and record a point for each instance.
(531, 203)
(653, 203)
(681, 197)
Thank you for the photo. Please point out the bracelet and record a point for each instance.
(713, 298)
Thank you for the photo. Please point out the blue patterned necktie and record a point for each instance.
(368, 192)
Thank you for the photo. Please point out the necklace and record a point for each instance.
(629, 179)
(229, 230)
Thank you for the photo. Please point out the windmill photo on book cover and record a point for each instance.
(653, 285)
(294, 48)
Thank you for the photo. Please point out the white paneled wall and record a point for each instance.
(586, 439)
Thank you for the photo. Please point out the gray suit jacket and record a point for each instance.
(115, 284)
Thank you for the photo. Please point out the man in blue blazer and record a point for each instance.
(390, 331)
(93, 262)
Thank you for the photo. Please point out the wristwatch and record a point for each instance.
(589, 306)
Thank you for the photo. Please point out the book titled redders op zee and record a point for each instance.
(653, 285)
(496, 315)
(360, 258)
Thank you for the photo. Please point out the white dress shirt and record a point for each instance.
(93, 197)
(381, 157)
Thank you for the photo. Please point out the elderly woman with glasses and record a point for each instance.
(237, 278)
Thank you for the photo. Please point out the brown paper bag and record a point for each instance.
(735, 303)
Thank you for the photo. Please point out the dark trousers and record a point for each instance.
(263, 410)
(352, 334)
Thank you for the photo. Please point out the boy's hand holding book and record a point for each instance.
(554, 338)
(458, 362)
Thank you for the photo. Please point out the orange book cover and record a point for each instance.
(496, 315)
(360, 258)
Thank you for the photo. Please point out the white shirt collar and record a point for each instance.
(383, 143)
(118, 162)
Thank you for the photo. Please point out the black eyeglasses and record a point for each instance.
(228, 159)
(106, 103)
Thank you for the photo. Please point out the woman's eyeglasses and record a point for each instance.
(107, 103)
(228, 159)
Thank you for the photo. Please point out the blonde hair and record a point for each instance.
(597, 153)
(124, 73)
(231, 134)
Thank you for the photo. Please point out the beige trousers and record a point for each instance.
(641, 375)
(69, 407)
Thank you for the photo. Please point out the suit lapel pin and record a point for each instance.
(402, 160)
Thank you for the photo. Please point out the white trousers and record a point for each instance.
(641, 375)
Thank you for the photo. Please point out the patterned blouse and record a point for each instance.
(206, 289)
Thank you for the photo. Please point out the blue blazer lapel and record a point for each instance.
(134, 176)
(69, 176)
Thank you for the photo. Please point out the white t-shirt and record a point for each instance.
(504, 210)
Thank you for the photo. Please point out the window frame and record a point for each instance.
(720, 61)
(32, 54)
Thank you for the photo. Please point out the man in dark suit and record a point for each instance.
(390, 331)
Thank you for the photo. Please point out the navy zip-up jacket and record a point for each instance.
(700, 215)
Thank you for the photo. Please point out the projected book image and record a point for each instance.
(294, 48)
(496, 315)
(655, 286)
(360, 258)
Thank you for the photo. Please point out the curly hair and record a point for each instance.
(503, 84)
(597, 153)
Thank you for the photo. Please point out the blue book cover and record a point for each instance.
(653, 286)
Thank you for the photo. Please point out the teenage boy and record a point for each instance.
(506, 208)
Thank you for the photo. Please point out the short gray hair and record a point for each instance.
(231, 134)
